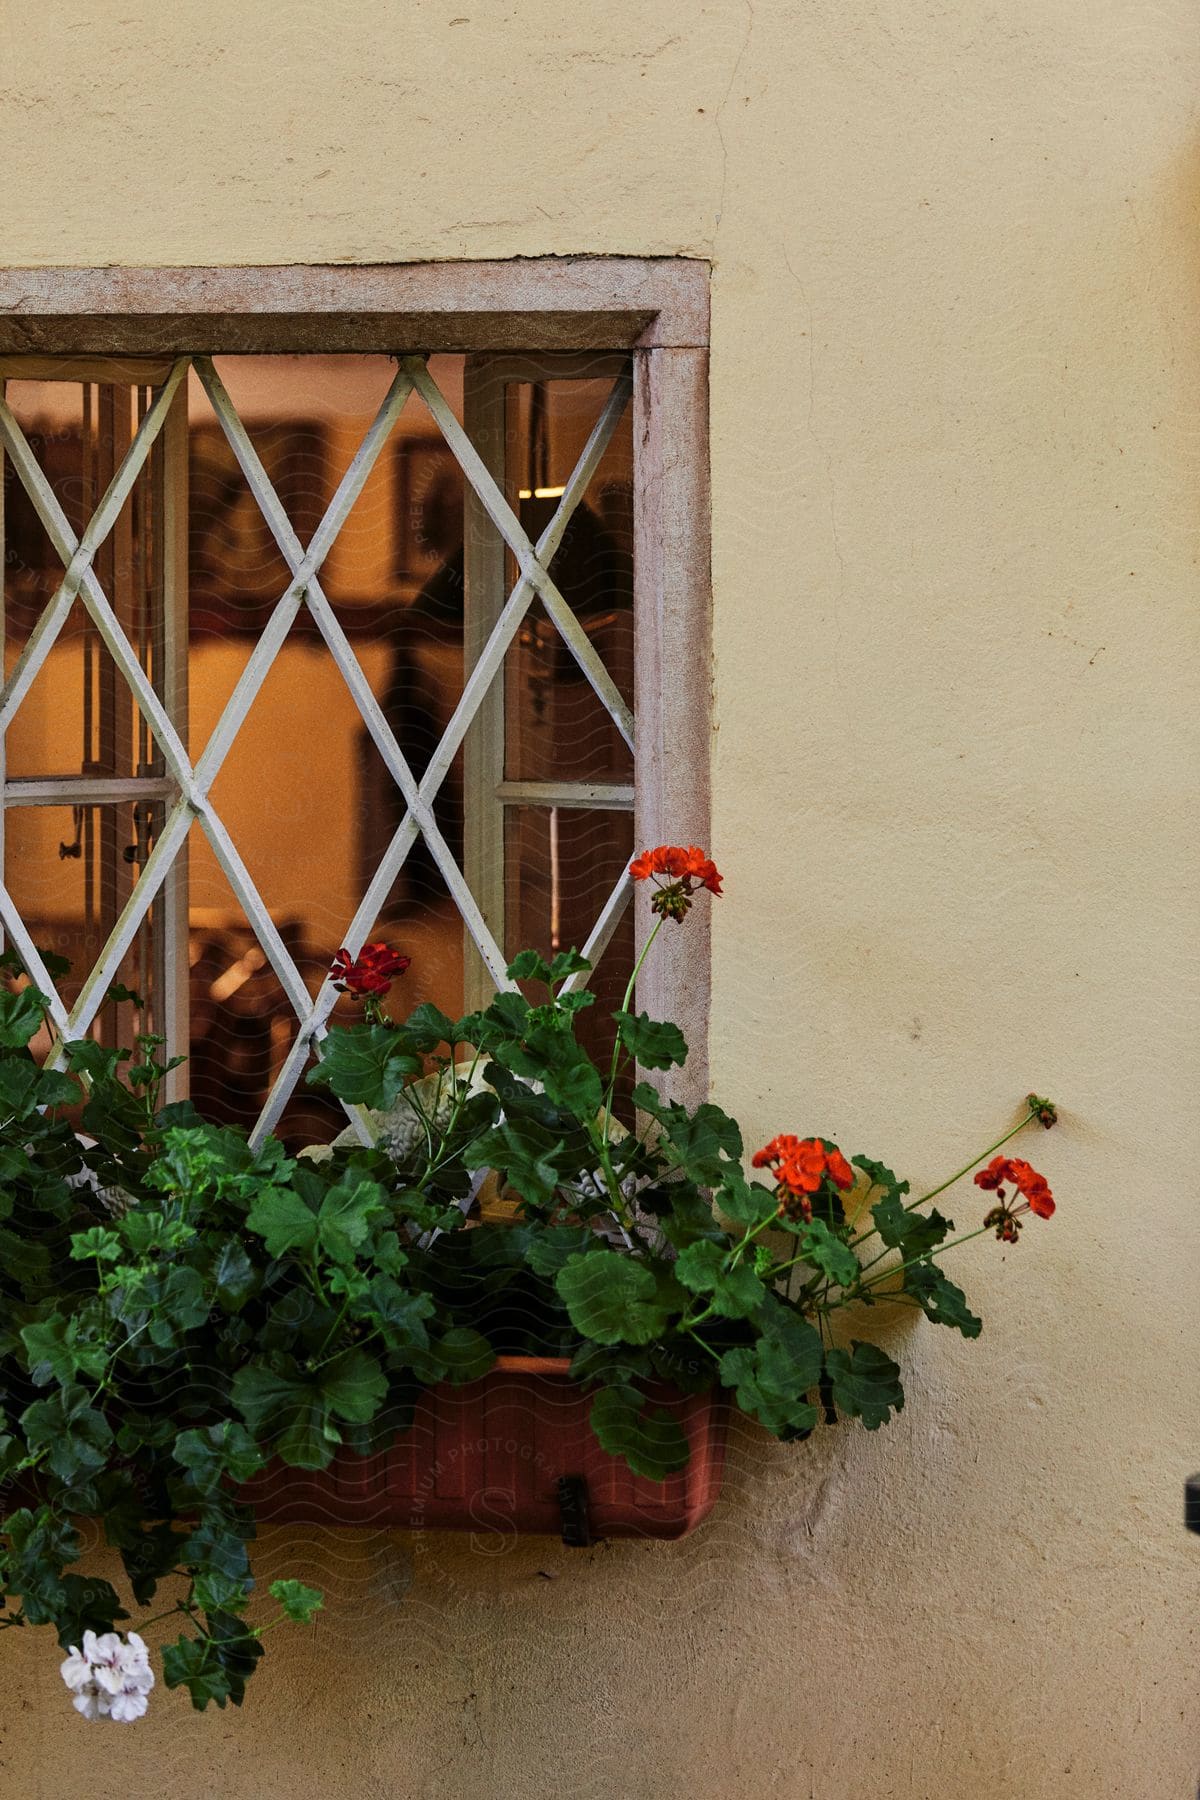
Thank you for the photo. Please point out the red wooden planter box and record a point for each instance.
(510, 1452)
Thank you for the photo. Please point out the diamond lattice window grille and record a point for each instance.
(189, 784)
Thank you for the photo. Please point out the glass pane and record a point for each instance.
(556, 726)
(79, 715)
(304, 792)
(70, 870)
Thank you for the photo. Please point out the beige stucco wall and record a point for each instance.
(955, 360)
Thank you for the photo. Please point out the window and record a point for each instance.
(307, 643)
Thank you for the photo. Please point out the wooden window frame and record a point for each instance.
(655, 308)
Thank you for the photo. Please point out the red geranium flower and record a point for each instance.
(687, 870)
(1033, 1188)
(370, 974)
(998, 1170)
(799, 1166)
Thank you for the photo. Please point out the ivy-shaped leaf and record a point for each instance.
(298, 1602)
(879, 1175)
(57, 1347)
(654, 1043)
(75, 1437)
(865, 1383)
(912, 1232)
(940, 1299)
(705, 1142)
(210, 1453)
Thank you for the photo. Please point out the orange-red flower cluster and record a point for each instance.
(687, 870)
(799, 1166)
(672, 859)
(1033, 1188)
(370, 974)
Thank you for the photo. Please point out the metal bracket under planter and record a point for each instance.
(573, 1507)
(511, 1452)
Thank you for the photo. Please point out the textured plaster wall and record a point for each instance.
(955, 460)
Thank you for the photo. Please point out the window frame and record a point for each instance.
(655, 308)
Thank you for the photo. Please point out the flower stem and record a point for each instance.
(899, 1268)
(966, 1169)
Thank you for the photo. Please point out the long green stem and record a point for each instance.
(630, 986)
(924, 1199)
(966, 1169)
(899, 1268)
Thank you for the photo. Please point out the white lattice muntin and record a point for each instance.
(186, 789)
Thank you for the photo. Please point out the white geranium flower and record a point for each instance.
(110, 1677)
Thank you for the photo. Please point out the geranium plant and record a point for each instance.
(180, 1307)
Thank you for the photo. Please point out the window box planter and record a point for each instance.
(510, 1452)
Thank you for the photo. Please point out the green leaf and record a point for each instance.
(24, 1087)
(21, 1015)
(215, 1591)
(294, 1410)
(104, 1246)
(366, 1065)
(549, 1250)
(568, 962)
(611, 1298)
(576, 1086)
(528, 965)
(913, 1232)
(654, 1043)
(75, 1437)
(56, 1347)
(96, 1061)
(940, 1299)
(283, 1220)
(211, 1452)
(427, 1027)
(705, 1142)
(345, 1218)
(464, 1354)
(298, 1602)
(233, 1275)
(26, 1262)
(88, 1604)
(531, 1155)
(735, 1291)
(191, 1663)
(54, 964)
(355, 1386)
(215, 1544)
(749, 1203)
(773, 1378)
(147, 1231)
(866, 1384)
(400, 1314)
(651, 1442)
(879, 1175)
(118, 992)
(781, 1410)
(182, 1304)
(826, 1251)
(236, 1649)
